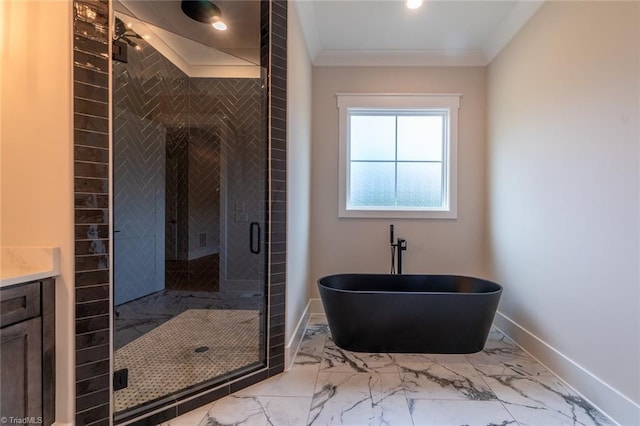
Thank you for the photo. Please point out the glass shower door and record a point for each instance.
(189, 198)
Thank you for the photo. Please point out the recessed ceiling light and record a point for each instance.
(220, 26)
(413, 4)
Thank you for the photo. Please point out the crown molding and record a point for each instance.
(403, 58)
(496, 41)
(223, 71)
(306, 14)
(503, 34)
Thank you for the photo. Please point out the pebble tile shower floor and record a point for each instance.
(156, 338)
(197, 345)
(501, 385)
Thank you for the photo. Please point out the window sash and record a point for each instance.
(395, 113)
(400, 104)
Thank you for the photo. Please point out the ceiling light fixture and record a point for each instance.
(413, 4)
(203, 11)
(220, 26)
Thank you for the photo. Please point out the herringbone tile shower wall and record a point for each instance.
(232, 109)
(203, 139)
(149, 101)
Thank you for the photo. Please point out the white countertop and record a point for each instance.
(23, 264)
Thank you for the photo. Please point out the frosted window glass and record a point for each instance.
(373, 137)
(419, 184)
(372, 184)
(420, 138)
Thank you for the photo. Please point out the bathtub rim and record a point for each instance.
(391, 291)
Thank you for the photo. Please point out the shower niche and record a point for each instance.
(190, 202)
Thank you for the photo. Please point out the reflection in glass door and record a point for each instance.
(189, 174)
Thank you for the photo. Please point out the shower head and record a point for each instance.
(124, 33)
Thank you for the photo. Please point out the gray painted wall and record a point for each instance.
(340, 245)
(564, 195)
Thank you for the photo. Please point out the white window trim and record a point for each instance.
(449, 102)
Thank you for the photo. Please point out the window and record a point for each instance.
(397, 155)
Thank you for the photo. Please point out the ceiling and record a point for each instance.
(336, 32)
(195, 47)
(385, 32)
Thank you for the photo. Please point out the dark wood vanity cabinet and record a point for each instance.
(27, 352)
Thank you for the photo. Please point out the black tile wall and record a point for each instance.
(93, 399)
(276, 58)
(91, 187)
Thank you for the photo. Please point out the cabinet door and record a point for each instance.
(21, 369)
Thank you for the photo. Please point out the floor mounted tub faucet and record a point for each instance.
(400, 245)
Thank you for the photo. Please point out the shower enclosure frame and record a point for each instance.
(92, 21)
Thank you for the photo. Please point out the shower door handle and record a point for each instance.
(255, 226)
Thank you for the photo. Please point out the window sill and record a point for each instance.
(398, 214)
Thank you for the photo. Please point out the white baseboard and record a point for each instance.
(291, 349)
(314, 307)
(618, 407)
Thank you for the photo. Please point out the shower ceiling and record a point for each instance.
(240, 41)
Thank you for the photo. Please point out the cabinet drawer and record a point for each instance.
(19, 303)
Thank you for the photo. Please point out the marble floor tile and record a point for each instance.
(500, 385)
(495, 334)
(427, 412)
(192, 418)
(506, 365)
(500, 347)
(300, 380)
(312, 345)
(258, 411)
(509, 367)
(500, 352)
(336, 359)
(445, 381)
(353, 399)
(542, 399)
(416, 360)
(317, 319)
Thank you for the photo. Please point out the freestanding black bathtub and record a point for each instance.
(440, 314)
